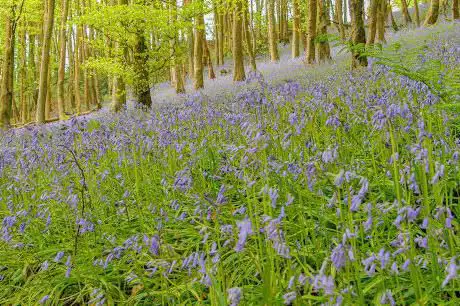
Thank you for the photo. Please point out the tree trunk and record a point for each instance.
(273, 45)
(417, 13)
(175, 62)
(394, 25)
(211, 74)
(62, 58)
(339, 13)
(311, 34)
(372, 22)
(198, 49)
(48, 105)
(23, 78)
(405, 12)
(295, 29)
(249, 42)
(6, 87)
(324, 51)
(433, 13)
(358, 36)
(238, 60)
(118, 85)
(45, 61)
(141, 84)
(455, 10)
(381, 17)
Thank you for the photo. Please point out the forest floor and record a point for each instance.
(300, 186)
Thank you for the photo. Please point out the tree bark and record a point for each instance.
(324, 51)
(433, 13)
(23, 78)
(6, 87)
(455, 10)
(339, 13)
(62, 58)
(273, 45)
(141, 84)
(45, 60)
(238, 60)
(175, 62)
(198, 49)
(381, 17)
(417, 13)
(295, 29)
(211, 74)
(250, 41)
(372, 22)
(358, 36)
(394, 25)
(405, 12)
(311, 31)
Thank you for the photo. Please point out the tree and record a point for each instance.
(238, 61)
(273, 45)
(324, 51)
(372, 22)
(296, 29)
(417, 13)
(6, 88)
(62, 58)
(198, 49)
(358, 37)
(311, 32)
(405, 12)
(433, 13)
(381, 17)
(250, 40)
(175, 61)
(45, 60)
(339, 13)
(455, 10)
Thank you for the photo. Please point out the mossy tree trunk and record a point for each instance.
(358, 36)
(237, 50)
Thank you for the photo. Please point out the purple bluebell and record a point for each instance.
(289, 297)
(234, 296)
(451, 270)
(244, 230)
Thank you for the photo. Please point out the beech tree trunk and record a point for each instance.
(190, 46)
(394, 25)
(339, 13)
(273, 45)
(311, 32)
(198, 50)
(455, 10)
(295, 29)
(141, 85)
(381, 17)
(175, 62)
(62, 58)
(405, 12)
(324, 51)
(250, 41)
(6, 87)
(45, 60)
(417, 13)
(23, 78)
(433, 13)
(238, 60)
(358, 36)
(211, 74)
(372, 22)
